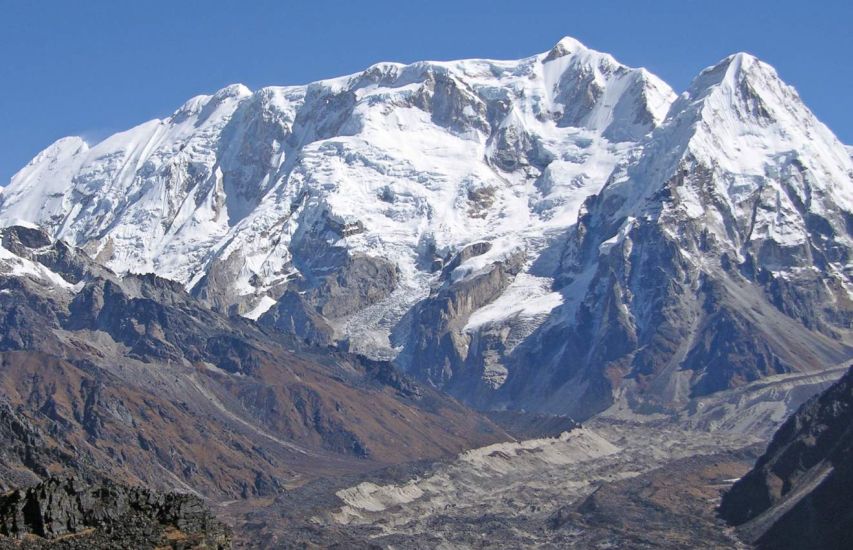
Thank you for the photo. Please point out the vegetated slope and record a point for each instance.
(132, 379)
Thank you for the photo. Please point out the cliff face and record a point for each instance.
(798, 495)
(69, 513)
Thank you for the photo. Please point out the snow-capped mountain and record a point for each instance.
(718, 256)
(523, 233)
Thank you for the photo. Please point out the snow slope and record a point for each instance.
(425, 156)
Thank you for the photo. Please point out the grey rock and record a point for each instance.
(293, 314)
(435, 347)
(107, 515)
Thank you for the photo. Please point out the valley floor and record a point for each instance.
(609, 484)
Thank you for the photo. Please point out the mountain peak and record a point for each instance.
(755, 140)
(196, 104)
(570, 43)
(740, 95)
(237, 90)
(732, 72)
(740, 60)
(741, 65)
(566, 46)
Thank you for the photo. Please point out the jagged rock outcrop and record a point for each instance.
(798, 493)
(70, 513)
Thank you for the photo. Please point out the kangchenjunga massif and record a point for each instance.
(269, 288)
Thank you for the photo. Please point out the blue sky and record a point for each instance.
(95, 67)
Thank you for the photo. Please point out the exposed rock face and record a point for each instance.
(69, 513)
(292, 314)
(798, 493)
(26, 455)
(134, 379)
(357, 282)
(437, 345)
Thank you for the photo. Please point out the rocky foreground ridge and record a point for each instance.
(68, 513)
(798, 495)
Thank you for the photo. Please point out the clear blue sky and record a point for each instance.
(95, 67)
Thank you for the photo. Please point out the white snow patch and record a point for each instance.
(13, 264)
(527, 297)
(263, 305)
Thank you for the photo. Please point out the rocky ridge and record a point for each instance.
(133, 379)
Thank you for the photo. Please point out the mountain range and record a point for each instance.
(560, 234)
